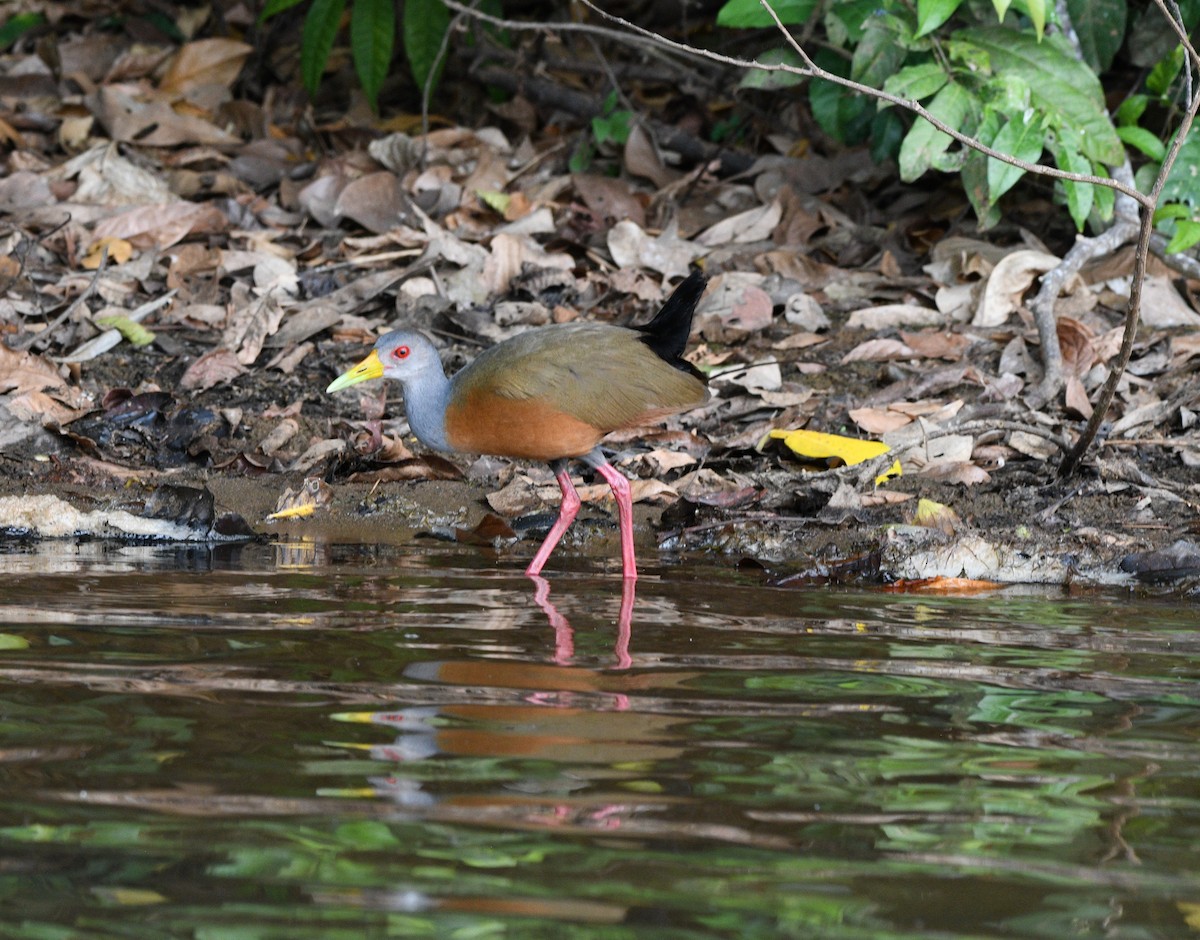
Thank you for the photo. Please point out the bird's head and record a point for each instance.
(403, 355)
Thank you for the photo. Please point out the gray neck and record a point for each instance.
(425, 402)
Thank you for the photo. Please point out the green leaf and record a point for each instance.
(1104, 197)
(17, 26)
(131, 330)
(1061, 86)
(1131, 109)
(1183, 185)
(916, 82)
(878, 55)
(612, 128)
(933, 13)
(974, 181)
(494, 199)
(1080, 196)
(1143, 140)
(1174, 211)
(275, 7)
(425, 24)
(749, 14)
(1037, 13)
(1187, 234)
(1100, 26)
(1021, 138)
(321, 25)
(954, 106)
(768, 81)
(846, 20)
(1001, 8)
(842, 113)
(887, 133)
(1165, 72)
(372, 39)
(10, 641)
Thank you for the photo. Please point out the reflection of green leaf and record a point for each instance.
(10, 641)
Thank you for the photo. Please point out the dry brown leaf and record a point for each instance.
(937, 344)
(642, 159)
(799, 341)
(1184, 348)
(668, 254)
(22, 372)
(754, 225)
(734, 306)
(1007, 284)
(609, 198)
(878, 420)
(1076, 400)
(878, 350)
(160, 226)
(213, 368)
(376, 202)
(204, 62)
(283, 432)
(891, 316)
(962, 473)
(1075, 338)
(1162, 307)
(884, 497)
(153, 122)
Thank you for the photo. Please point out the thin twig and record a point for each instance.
(38, 338)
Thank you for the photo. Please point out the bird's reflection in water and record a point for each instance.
(564, 635)
(552, 731)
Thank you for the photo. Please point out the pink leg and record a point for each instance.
(566, 515)
(620, 489)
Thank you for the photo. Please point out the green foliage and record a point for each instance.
(749, 14)
(425, 25)
(372, 40)
(321, 26)
(611, 127)
(372, 37)
(17, 26)
(984, 69)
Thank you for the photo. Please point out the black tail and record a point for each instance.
(667, 334)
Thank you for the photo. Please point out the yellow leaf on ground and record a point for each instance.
(832, 449)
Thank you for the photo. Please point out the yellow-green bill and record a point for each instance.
(369, 368)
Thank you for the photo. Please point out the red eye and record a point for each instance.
(401, 352)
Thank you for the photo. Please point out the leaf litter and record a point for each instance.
(189, 261)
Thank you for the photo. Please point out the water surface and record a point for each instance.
(328, 741)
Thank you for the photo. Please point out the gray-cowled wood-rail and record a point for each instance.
(550, 394)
